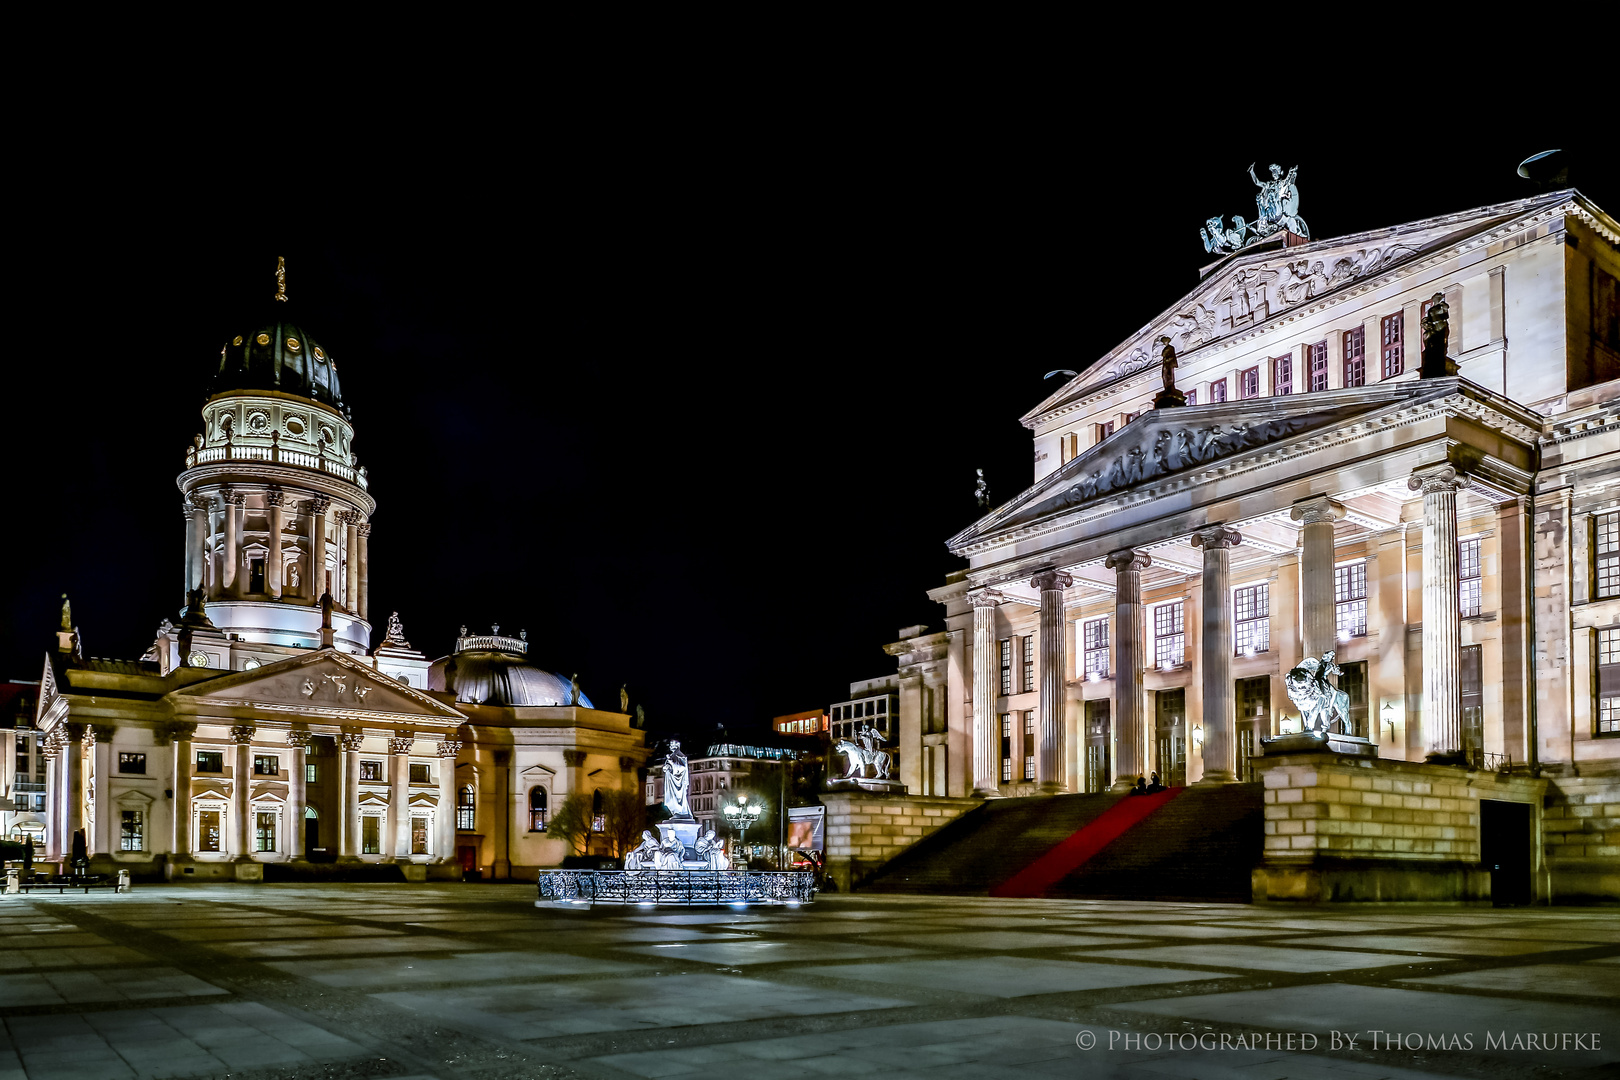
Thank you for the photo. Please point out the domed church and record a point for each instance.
(263, 727)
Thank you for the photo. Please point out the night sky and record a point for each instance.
(698, 416)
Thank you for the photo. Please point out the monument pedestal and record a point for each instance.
(1308, 743)
(861, 783)
(685, 830)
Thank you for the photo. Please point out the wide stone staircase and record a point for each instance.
(1200, 843)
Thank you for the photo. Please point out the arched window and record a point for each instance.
(598, 818)
(309, 812)
(466, 808)
(537, 809)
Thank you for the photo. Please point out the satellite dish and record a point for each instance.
(1547, 167)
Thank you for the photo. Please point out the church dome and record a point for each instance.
(490, 669)
(278, 355)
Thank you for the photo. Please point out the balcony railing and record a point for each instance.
(276, 455)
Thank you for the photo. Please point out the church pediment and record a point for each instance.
(327, 685)
(1167, 446)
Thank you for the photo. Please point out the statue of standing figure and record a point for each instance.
(1436, 335)
(677, 782)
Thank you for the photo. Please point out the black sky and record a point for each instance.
(699, 412)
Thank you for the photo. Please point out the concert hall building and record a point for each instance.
(1453, 540)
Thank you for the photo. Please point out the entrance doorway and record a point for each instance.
(1253, 722)
(1171, 729)
(1504, 850)
(468, 854)
(1097, 736)
(312, 829)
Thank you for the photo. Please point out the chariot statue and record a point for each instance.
(1320, 703)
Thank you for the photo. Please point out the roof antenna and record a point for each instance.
(281, 279)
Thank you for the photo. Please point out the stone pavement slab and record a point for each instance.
(1006, 976)
(1575, 979)
(1263, 957)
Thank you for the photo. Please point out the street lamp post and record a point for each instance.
(742, 814)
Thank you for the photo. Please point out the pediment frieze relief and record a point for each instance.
(327, 684)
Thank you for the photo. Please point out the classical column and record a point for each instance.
(184, 761)
(73, 790)
(242, 791)
(53, 796)
(1442, 647)
(102, 841)
(349, 815)
(1216, 662)
(399, 796)
(186, 549)
(1320, 632)
(986, 770)
(297, 796)
(363, 608)
(272, 559)
(351, 562)
(444, 815)
(1127, 719)
(315, 580)
(233, 521)
(1049, 763)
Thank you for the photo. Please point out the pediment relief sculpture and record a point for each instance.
(319, 683)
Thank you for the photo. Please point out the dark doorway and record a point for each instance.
(256, 576)
(1504, 849)
(1171, 731)
(468, 854)
(312, 833)
(1097, 758)
(1253, 722)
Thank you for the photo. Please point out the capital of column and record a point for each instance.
(1437, 478)
(986, 598)
(574, 759)
(237, 498)
(401, 743)
(1129, 560)
(352, 741)
(73, 732)
(1052, 580)
(274, 496)
(242, 734)
(102, 733)
(364, 529)
(1317, 510)
(298, 739)
(449, 748)
(319, 504)
(199, 501)
(181, 732)
(1216, 536)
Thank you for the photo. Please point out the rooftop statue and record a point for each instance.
(1277, 203)
(981, 491)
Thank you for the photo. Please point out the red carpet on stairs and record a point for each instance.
(1073, 853)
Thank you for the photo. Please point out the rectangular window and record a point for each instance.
(419, 773)
(312, 773)
(1028, 644)
(1252, 606)
(1006, 748)
(1471, 693)
(419, 833)
(210, 761)
(1350, 599)
(1316, 356)
(1353, 682)
(466, 808)
(208, 830)
(1006, 666)
(128, 763)
(371, 835)
(264, 832)
(266, 765)
(1249, 383)
(1105, 430)
(1169, 634)
(1355, 357)
(1608, 666)
(1217, 391)
(1192, 397)
(1282, 375)
(1393, 356)
(1606, 555)
(1029, 744)
(1094, 636)
(1469, 589)
(371, 770)
(129, 831)
(1069, 447)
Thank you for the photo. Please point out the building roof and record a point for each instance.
(278, 355)
(492, 669)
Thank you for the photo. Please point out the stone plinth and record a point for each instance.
(861, 783)
(1346, 828)
(1306, 743)
(1581, 830)
(865, 831)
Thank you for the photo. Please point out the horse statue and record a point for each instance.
(1320, 703)
(860, 757)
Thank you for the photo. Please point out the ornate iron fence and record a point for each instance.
(678, 886)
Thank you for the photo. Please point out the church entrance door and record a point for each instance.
(1171, 729)
(468, 854)
(1097, 739)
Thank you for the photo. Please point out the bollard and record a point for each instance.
(13, 881)
(123, 881)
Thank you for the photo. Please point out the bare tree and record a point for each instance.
(626, 815)
(572, 821)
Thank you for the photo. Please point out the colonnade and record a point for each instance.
(1441, 714)
(205, 517)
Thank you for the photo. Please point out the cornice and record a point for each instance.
(286, 476)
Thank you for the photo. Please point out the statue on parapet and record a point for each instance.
(1170, 397)
(1436, 335)
(1320, 703)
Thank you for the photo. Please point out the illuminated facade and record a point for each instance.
(1449, 528)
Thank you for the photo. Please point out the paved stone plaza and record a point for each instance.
(472, 980)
